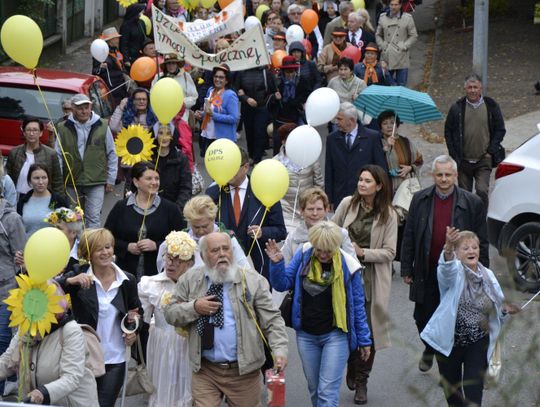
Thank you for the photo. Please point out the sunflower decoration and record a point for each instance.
(33, 306)
(189, 5)
(126, 3)
(134, 144)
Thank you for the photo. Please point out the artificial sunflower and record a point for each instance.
(134, 144)
(33, 306)
(126, 3)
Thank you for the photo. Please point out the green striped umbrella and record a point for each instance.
(410, 105)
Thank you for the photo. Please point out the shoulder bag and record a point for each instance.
(138, 381)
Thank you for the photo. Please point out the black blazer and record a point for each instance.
(252, 213)
(85, 303)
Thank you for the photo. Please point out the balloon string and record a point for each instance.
(64, 155)
(141, 230)
(257, 232)
(113, 89)
(219, 210)
(296, 197)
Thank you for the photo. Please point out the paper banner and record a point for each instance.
(247, 51)
(229, 20)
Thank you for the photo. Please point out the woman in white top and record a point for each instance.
(101, 295)
(167, 349)
(200, 213)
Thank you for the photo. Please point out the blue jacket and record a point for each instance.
(286, 278)
(439, 332)
(226, 119)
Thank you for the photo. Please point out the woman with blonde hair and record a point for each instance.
(327, 312)
(369, 217)
(167, 349)
(200, 213)
(101, 296)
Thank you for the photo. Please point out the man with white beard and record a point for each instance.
(217, 303)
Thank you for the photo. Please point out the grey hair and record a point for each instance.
(344, 5)
(75, 227)
(203, 244)
(66, 101)
(295, 7)
(443, 159)
(348, 110)
(473, 78)
(358, 17)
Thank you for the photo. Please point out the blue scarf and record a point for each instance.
(289, 89)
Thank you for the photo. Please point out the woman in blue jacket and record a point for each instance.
(465, 327)
(328, 311)
(221, 109)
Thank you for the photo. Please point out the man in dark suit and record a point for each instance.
(242, 212)
(432, 210)
(347, 151)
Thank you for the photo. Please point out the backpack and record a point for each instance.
(95, 360)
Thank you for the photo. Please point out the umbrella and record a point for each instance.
(410, 105)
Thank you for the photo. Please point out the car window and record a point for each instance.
(15, 103)
(99, 94)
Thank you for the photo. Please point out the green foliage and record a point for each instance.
(34, 9)
(496, 8)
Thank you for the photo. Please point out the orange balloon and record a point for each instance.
(309, 20)
(277, 58)
(224, 3)
(143, 69)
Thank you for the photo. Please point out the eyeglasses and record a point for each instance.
(140, 100)
(295, 13)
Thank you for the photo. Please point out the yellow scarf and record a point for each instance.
(339, 298)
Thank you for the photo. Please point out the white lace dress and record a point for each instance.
(167, 351)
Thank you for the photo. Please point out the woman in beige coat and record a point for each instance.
(369, 217)
(60, 376)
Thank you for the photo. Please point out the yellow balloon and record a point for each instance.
(260, 10)
(166, 99)
(208, 3)
(147, 24)
(358, 4)
(46, 254)
(222, 160)
(269, 181)
(22, 40)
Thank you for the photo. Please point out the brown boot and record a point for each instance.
(350, 378)
(360, 396)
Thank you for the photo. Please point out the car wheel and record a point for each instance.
(524, 263)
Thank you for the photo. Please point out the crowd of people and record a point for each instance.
(208, 277)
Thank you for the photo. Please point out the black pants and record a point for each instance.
(462, 373)
(255, 123)
(424, 311)
(109, 385)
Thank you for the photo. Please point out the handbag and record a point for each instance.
(493, 372)
(138, 381)
(404, 194)
(286, 308)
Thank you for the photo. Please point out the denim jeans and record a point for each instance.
(400, 76)
(109, 385)
(92, 197)
(323, 359)
(5, 335)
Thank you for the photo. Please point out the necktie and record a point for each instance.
(237, 206)
(349, 140)
(217, 290)
(353, 39)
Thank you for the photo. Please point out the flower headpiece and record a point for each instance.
(181, 245)
(65, 215)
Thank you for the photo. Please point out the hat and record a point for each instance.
(372, 47)
(110, 33)
(147, 41)
(80, 99)
(288, 62)
(181, 245)
(339, 32)
(280, 35)
(170, 58)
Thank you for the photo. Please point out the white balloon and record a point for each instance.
(251, 22)
(322, 105)
(99, 50)
(294, 33)
(303, 146)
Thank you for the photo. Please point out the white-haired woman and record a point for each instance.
(465, 327)
(69, 221)
(328, 310)
(167, 349)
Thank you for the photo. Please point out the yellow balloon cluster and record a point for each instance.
(166, 99)
(147, 24)
(358, 4)
(260, 10)
(46, 254)
(22, 40)
(222, 160)
(269, 181)
(208, 3)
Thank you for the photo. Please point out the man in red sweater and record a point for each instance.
(432, 210)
